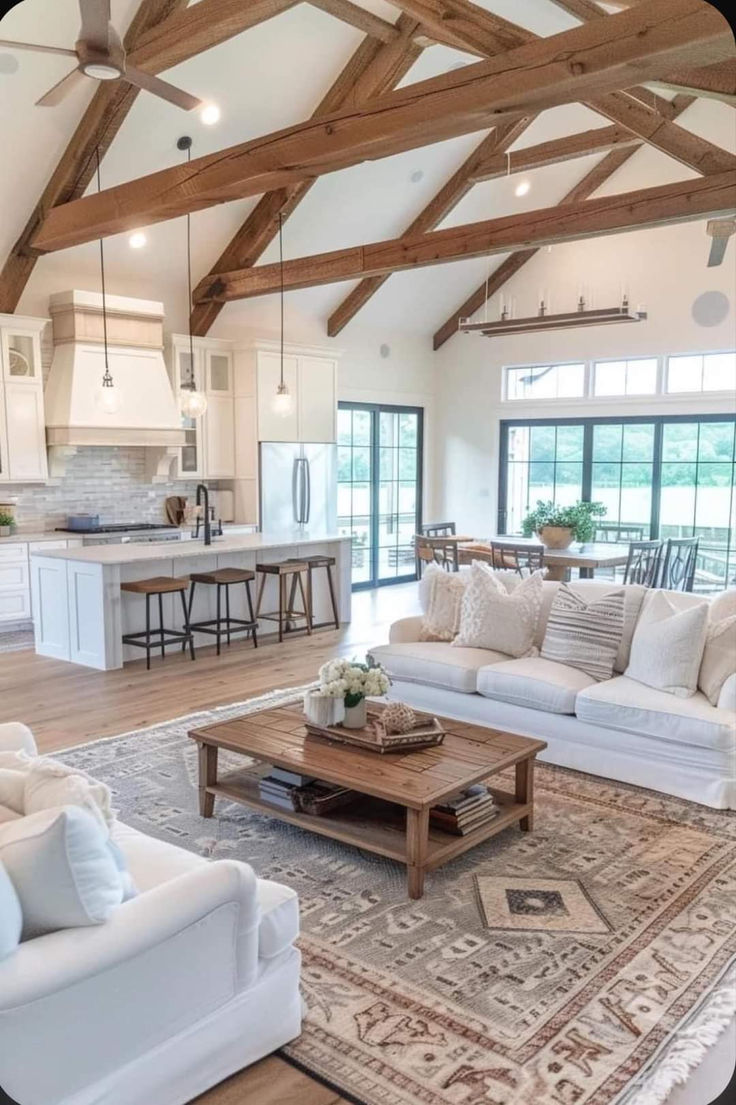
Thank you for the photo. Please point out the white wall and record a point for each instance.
(664, 270)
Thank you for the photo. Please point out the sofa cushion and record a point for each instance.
(436, 663)
(11, 917)
(534, 682)
(719, 654)
(494, 617)
(585, 634)
(625, 704)
(442, 598)
(279, 925)
(591, 590)
(668, 645)
(6, 814)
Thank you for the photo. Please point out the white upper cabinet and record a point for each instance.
(22, 425)
(209, 452)
(312, 383)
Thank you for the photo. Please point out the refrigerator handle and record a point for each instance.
(308, 492)
(294, 489)
(300, 490)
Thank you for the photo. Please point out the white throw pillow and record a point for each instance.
(443, 594)
(12, 786)
(719, 655)
(727, 697)
(668, 645)
(585, 635)
(494, 618)
(62, 869)
(50, 784)
(11, 917)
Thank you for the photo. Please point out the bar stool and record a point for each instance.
(314, 562)
(286, 613)
(224, 577)
(149, 638)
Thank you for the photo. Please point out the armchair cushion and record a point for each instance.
(11, 917)
(62, 869)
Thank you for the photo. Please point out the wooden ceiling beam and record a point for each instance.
(364, 20)
(710, 196)
(161, 33)
(373, 69)
(714, 82)
(558, 149)
(431, 216)
(583, 190)
(586, 61)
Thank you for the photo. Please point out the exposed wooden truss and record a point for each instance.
(161, 34)
(358, 17)
(374, 68)
(647, 207)
(568, 148)
(589, 60)
(714, 82)
(584, 188)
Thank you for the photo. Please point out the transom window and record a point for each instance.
(637, 377)
(557, 381)
(701, 372)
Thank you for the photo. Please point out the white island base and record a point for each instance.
(80, 614)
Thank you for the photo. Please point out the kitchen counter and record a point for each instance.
(187, 548)
(81, 614)
(24, 536)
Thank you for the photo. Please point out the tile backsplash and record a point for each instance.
(109, 481)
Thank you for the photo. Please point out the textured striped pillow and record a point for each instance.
(585, 635)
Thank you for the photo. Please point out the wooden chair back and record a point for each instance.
(430, 550)
(439, 529)
(642, 565)
(619, 532)
(678, 564)
(517, 557)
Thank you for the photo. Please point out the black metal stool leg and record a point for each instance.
(186, 624)
(227, 610)
(218, 625)
(161, 624)
(251, 614)
(148, 632)
(187, 604)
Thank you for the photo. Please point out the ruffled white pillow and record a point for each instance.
(441, 596)
(494, 618)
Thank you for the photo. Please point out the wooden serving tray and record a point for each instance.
(426, 733)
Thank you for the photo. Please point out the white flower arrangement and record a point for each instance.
(352, 680)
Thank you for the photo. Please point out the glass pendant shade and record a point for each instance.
(193, 403)
(282, 401)
(107, 399)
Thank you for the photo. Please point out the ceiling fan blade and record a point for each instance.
(717, 252)
(37, 48)
(166, 91)
(95, 22)
(61, 89)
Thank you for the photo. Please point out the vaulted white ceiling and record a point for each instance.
(266, 78)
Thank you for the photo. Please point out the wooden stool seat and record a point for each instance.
(287, 611)
(224, 575)
(157, 585)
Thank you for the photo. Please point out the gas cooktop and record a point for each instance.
(119, 527)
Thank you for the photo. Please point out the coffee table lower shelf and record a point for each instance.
(384, 828)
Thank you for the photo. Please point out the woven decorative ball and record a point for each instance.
(399, 718)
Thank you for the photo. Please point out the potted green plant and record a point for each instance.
(558, 526)
(6, 523)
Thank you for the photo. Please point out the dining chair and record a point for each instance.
(517, 557)
(618, 532)
(642, 564)
(433, 550)
(678, 564)
(439, 529)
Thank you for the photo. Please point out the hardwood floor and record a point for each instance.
(66, 705)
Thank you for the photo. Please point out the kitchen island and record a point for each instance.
(80, 613)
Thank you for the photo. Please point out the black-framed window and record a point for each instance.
(659, 476)
(379, 449)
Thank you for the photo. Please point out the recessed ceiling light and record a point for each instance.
(210, 114)
(522, 188)
(8, 64)
(137, 240)
(416, 176)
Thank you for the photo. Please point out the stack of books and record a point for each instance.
(465, 811)
(279, 786)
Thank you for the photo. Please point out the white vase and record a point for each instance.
(355, 716)
(323, 709)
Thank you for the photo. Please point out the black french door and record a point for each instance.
(379, 489)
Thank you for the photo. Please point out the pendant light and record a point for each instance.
(192, 403)
(282, 398)
(107, 398)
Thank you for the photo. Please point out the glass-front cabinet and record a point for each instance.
(209, 450)
(22, 425)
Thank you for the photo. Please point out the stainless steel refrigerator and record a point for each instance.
(298, 488)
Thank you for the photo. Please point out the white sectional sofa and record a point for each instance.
(186, 983)
(619, 728)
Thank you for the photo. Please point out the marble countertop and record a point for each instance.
(24, 536)
(174, 550)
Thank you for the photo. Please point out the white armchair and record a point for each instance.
(161, 1002)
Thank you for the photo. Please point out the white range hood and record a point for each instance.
(147, 412)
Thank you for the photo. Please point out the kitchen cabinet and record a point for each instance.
(209, 452)
(15, 586)
(311, 377)
(22, 423)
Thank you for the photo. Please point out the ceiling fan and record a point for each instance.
(101, 55)
(720, 231)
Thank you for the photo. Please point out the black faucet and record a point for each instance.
(202, 490)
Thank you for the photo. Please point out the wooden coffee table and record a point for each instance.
(397, 789)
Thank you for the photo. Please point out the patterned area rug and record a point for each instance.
(585, 963)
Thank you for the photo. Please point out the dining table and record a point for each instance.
(587, 557)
